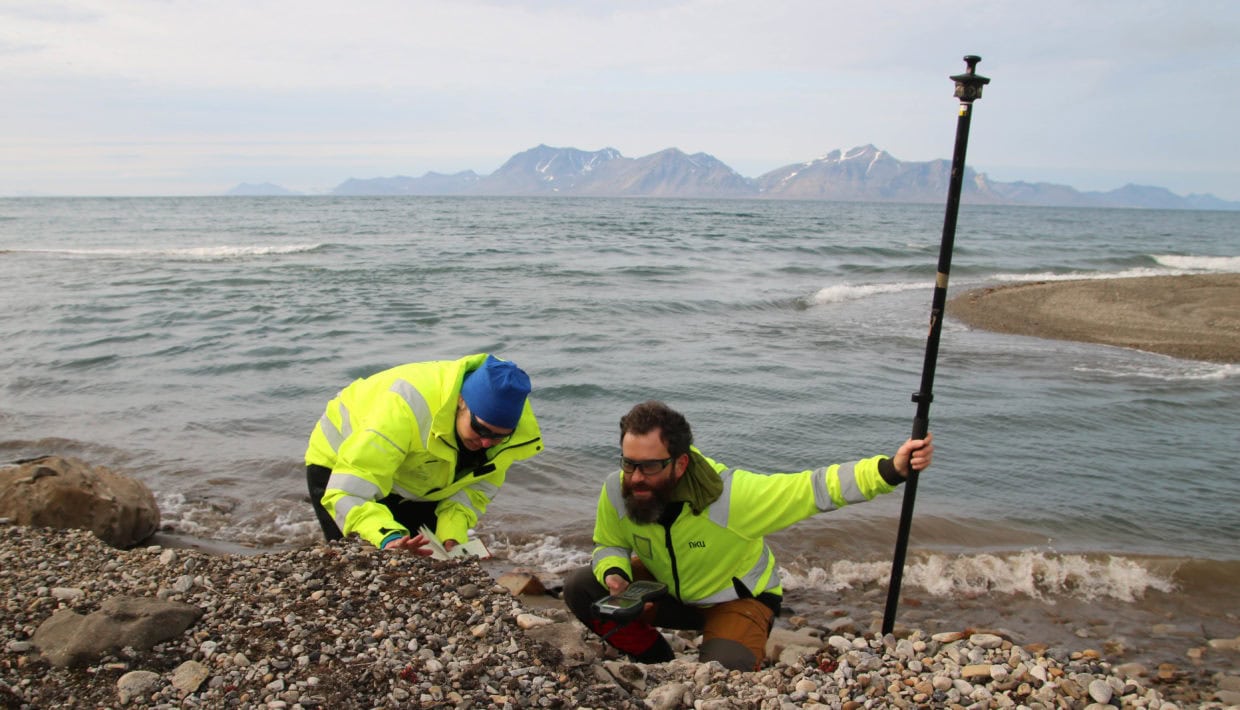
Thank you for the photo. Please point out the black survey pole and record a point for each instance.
(968, 89)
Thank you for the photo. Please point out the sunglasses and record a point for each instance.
(648, 468)
(485, 432)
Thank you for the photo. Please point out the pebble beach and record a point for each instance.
(342, 625)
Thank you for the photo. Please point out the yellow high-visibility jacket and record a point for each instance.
(713, 543)
(395, 432)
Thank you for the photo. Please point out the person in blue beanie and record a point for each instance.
(426, 443)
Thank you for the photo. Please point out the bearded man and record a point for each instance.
(672, 515)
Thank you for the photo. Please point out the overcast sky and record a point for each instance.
(182, 97)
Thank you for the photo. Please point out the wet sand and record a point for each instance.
(1195, 317)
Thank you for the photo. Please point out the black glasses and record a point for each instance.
(485, 432)
(648, 468)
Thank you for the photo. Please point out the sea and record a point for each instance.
(1081, 494)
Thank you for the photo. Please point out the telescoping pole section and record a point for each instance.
(968, 89)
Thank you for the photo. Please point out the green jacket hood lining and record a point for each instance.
(700, 485)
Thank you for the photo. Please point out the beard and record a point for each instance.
(647, 510)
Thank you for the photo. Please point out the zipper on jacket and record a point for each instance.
(666, 521)
(488, 464)
(451, 443)
(535, 440)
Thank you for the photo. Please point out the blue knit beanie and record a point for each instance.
(496, 392)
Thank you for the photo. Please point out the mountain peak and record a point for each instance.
(867, 151)
(863, 173)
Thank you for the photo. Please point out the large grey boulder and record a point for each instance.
(68, 638)
(58, 492)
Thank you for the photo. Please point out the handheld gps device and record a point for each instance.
(627, 605)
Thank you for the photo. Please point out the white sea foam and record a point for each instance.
(199, 518)
(1078, 276)
(261, 524)
(840, 293)
(1168, 265)
(1038, 575)
(176, 513)
(276, 523)
(544, 553)
(1166, 369)
(190, 253)
(1221, 264)
(1035, 574)
(170, 503)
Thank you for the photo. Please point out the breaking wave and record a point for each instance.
(215, 253)
(1038, 575)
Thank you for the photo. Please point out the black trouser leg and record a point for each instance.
(411, 514)
(581, 590)
(641, 641)
(316, 482)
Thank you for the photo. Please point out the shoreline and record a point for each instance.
(1194, 317)
(1172, 618)
(343, 625)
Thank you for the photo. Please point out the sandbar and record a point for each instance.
(1194, 317)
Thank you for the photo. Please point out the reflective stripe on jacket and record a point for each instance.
(395, 432)
(699, 555)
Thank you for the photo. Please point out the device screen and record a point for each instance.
(622, 602)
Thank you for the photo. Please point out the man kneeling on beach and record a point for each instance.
(677, 517)
(427, 443)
